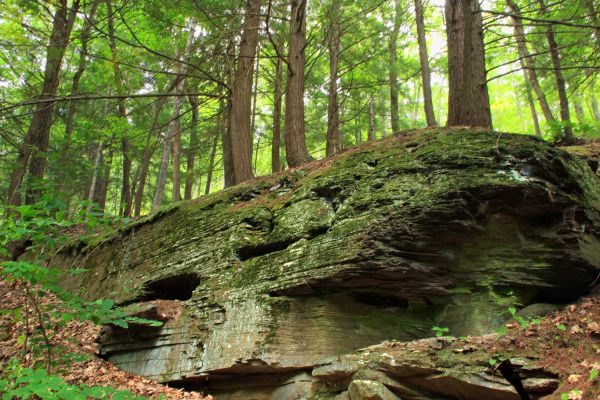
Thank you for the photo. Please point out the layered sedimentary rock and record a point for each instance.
(267, 282)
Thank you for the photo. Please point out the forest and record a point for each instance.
(308, 200)
(135, 105)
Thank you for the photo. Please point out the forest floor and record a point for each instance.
(76, 338)
(566, 343)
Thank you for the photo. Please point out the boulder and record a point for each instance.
(282, 276)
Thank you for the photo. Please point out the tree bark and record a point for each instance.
(371, 135)
(36, 141)
(534, 116)
(424, 59)
(211, 162)
(162, 174)
(83, 53)
(241, 96)
(333, 145)
(92, 190)
(192, 149)
(560, 80)
(295, 137)
(393, 50)
(468, 99)
(527, 62)
(595, 109)
(579, 112)
(126, 197)
(178, 101)
(277, 96)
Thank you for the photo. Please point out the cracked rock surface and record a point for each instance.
(275, 281)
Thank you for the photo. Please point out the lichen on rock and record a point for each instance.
(435, 228)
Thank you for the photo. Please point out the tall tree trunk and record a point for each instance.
(424, 59)
(579, 112)
(560, 80)
(126, 198)
(371, 135)
(192, 149)
(148, 150)
(295, 138)
(93, 184)
(162, 174)
(468, 99)
(277, 96)
(595, 109)
(211, 161)
(83, 53)
(104, 178)
(595, 19)
(35, 144)
(527, 61)
(393, 50)
(177, 103)
(253, 130)
(241, 96)
(534, 116)
(333, 145)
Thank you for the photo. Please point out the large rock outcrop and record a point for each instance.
(270, 282)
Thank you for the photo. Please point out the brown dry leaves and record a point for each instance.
(76, 337)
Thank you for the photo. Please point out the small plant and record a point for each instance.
(32, 373)
(440, 331)
(514, 316)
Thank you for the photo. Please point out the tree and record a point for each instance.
(295, 138)
(393, 50)
(241, 96)
(468, 99)
(334, 140)
(424, 60)
(560, 80)
(528, 61)
(35, 144)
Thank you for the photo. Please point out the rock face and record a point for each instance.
(264, 286)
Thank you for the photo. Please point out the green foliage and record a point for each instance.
(42, 224)
(24, 383)
(440, 331)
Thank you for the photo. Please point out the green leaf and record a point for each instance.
(593, 374)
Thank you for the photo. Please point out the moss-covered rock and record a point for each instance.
(437, 228)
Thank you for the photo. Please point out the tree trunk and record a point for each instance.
(93, 184)
(527, 62)
(468, 100)
(147, 153)
(211, 162)
(253, 130)
(393, 50)
(241, 97)
(35, 144)
(177, 103)
(534, 116)
(83, 53)
(424, 59)
(371, 135)
(162, 174)
(295, 138)
(126, 198)
(333, 145)
(277, 95)
(595, 109)
(595, 19)
(579, 112)
(104, 178)
(560, 80)
(192, 149)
